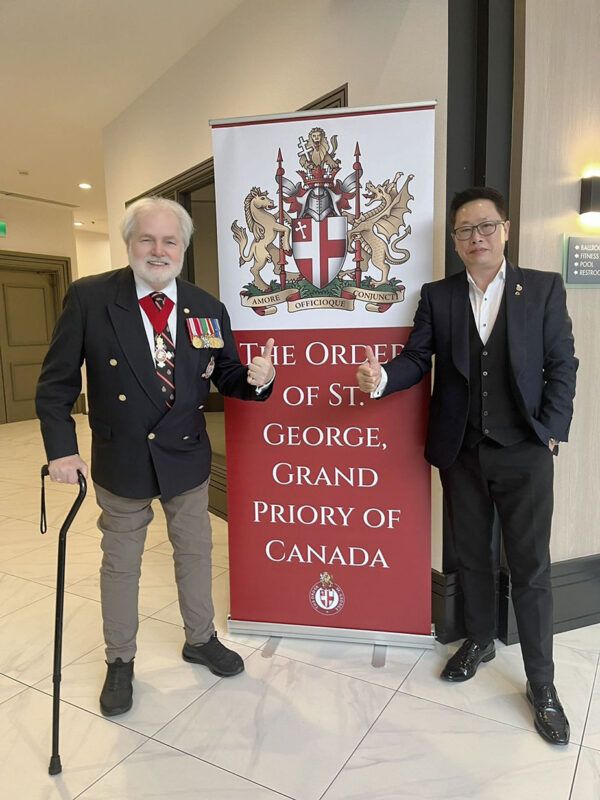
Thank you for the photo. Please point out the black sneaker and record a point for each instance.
(214, 655)
(117, 693)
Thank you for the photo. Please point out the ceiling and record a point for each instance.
(67, 69)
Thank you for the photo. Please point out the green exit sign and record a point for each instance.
(2, 228)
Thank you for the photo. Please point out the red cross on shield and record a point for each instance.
(319, 248)
(328, 598)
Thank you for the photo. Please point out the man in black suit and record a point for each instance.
(502, 401)
(151, 345)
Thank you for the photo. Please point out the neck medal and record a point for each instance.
(161, 354)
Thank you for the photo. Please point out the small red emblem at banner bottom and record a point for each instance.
(327, 597)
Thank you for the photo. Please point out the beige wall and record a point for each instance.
(38, 228)
(275, 56)
(93, 253)
(561, 135)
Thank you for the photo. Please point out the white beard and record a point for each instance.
(157, 277)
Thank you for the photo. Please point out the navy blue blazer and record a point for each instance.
(540, 348)
(138, 450)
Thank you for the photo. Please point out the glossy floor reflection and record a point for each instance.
(306, 720)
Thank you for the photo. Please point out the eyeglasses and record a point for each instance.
(484, 228)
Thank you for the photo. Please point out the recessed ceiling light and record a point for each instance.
(85, 185)
(78, 224)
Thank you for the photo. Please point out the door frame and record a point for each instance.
(60, 269)
(58, 266)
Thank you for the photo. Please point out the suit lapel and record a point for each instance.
(126, 319)
(516, 317)
(459, 321)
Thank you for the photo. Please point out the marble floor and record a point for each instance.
(306, 720)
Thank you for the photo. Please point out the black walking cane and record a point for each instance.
(55, 765)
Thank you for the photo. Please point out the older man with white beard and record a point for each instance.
(151, 344)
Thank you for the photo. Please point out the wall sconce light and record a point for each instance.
(590, 195)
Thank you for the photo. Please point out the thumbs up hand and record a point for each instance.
(368, 375)
(261, 370)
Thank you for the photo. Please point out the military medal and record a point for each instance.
(204, 332)
(214, 333)
(195, 332)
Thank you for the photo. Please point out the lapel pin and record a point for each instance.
(518, 289)
(186, 311)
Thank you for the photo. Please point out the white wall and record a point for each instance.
(273, 56)
(38, 228)
(93, 253)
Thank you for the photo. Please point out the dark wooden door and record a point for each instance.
(28, 305)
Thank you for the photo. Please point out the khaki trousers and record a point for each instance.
(123, 523)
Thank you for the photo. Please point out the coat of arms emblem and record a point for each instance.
(341, 252)
(326, 596)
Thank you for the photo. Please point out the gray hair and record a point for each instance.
(145, 204)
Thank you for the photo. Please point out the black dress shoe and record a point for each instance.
(117, 692)
(463, 664)
(214, 655)
(549, 717)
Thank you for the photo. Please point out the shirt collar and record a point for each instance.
(500, 276)
(142, 289)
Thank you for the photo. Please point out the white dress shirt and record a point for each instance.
(485, 307)
(486, 304)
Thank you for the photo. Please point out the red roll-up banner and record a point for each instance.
(325, 238)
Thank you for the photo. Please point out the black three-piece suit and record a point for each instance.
(494, 408)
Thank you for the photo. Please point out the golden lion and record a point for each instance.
(319, 153)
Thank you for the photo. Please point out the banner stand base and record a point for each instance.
(422, 641)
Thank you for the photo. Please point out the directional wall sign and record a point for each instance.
(582, 261)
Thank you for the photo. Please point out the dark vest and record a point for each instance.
(493, 410)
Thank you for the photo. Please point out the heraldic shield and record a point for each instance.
(319, 248)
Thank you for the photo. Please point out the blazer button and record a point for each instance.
(151, 436)
(113, 362)
(484, 374)
(186, 311)
(484, 353)
(185, 437)
(200, 408)
(122, 397)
